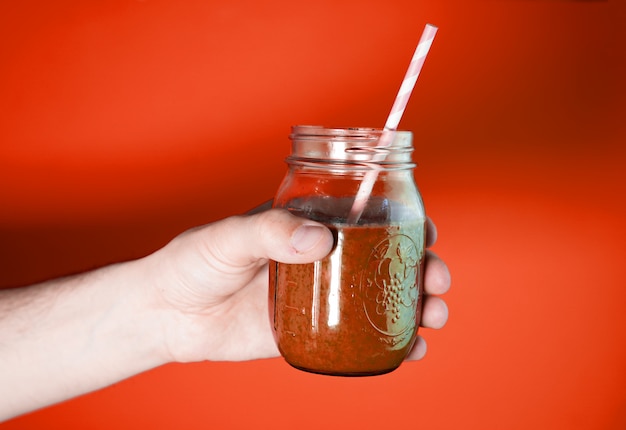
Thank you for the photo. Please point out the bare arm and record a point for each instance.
(73, 335)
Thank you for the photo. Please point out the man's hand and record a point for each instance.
(212, 284)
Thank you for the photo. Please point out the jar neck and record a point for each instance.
(350, 148)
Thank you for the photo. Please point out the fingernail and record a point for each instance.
(306, 237)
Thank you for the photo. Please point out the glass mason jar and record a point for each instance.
(357, 311)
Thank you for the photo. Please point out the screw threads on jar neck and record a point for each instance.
(352, 148)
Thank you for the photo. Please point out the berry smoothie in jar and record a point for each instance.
(357, 311)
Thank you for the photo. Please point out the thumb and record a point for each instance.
(274, 234)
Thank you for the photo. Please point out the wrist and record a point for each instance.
(141, 320)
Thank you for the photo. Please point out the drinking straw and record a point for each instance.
(397, 110)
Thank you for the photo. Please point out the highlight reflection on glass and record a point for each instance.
(335, 282)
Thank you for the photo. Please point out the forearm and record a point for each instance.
(74, 335)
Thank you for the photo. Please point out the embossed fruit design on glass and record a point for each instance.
(357, 311)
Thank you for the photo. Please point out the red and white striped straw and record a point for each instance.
(397, 110)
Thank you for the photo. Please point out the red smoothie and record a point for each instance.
(357, 311)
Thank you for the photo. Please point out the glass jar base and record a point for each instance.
(349, 374)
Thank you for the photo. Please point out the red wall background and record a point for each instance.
(122, 123)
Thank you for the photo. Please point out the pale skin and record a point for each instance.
(201, 297)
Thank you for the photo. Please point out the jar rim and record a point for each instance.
(356, 147)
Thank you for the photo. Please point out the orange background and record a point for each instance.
(122, 123)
